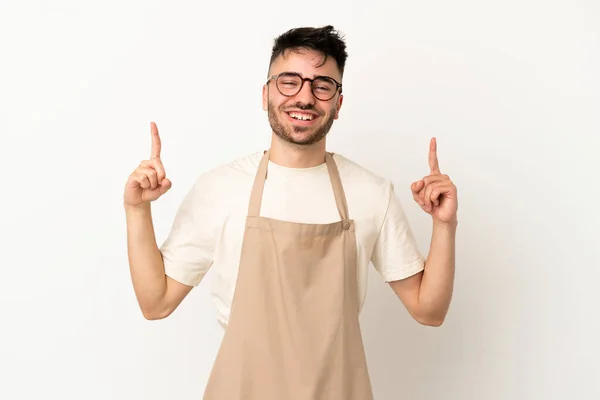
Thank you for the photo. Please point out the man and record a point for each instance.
(289, 233)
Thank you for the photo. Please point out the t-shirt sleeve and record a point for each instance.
(190, 245)
(396, 255)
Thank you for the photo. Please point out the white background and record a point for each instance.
(511, 90)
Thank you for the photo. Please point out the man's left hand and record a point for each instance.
(435, 193)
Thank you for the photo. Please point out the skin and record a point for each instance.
(293, 143)
(157, 295)
(426, 295)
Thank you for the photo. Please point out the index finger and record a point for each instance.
(433, 160)
(155, 152)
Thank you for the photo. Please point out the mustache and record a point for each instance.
(304, 107)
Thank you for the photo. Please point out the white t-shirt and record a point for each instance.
(208, 229)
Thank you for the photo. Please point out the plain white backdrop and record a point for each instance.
(511, 90)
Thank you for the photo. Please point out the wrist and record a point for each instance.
(445, 225)
(138, 209)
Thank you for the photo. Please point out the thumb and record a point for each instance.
(165, 185)
(416, 186)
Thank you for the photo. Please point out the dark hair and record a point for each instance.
(325, 40)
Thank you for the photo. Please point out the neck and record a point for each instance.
(296, 156)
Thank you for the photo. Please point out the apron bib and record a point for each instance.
(293, 332)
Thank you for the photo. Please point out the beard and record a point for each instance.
(286, 132)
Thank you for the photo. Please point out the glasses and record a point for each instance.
(322, 87)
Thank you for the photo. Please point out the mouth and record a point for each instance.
(303, 118)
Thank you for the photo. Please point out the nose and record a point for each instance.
(305, 95)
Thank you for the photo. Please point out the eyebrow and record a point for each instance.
(313, 77)
(291, 72)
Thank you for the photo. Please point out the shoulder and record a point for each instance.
(226, 180)
(361, 180)
(239, 168)
(368, 193)
(230, 173)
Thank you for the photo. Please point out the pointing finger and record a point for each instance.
(433, 160)
(155, 141)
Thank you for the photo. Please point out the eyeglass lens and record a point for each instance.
(290, 84)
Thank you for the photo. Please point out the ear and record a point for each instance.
(338, 106)
(265, 97)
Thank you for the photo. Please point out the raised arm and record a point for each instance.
(428, 294)
(157, 294)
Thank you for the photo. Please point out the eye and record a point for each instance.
(323, 85)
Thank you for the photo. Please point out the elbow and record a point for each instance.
(431, 314)
(431, 321)
(155, 313)
(152, 316)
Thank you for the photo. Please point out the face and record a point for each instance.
(301, 119)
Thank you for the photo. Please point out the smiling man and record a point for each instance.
(290, 233)
(307, 119)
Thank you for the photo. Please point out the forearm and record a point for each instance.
(437, 282)
(145, 261)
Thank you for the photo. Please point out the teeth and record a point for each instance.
(303, 117)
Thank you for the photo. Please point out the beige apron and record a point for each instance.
(293, 332)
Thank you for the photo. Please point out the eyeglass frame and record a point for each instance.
(303, 79)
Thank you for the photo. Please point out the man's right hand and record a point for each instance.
(148, 181)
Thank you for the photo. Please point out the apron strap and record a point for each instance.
(259, 185)
(338, 189)
(261, 175)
